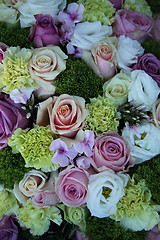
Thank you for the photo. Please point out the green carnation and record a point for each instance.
(15, 73)
(98, 10)
(34, 147)
(37, 219)
(8, 202)
(103, 116)
(75, 215)
(140, 6)
(134, 210)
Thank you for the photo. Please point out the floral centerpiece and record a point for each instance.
(79, 119)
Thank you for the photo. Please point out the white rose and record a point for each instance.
(105, 189)
(87, 34)
(33, 7)
(127, 52)
(144, 143)
(143, 89)
(7, 14)
(116, 89)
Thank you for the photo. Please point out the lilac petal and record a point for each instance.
(61, 159)
(88, 151)
(62, 16)
(70, 49)
(81, 9)
(79, 147)
(71, 153)
(58, 144)
(72, 7)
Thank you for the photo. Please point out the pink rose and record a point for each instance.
(66, 114)
(132, 24)
(111, 151)
(117, 3)
(156, 29)
(44, 199)
(71, 186)
(102, 58)
(45, 32)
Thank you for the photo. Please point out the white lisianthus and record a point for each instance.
(87, 34)
(33, 7)
(105, 189)
(7, 14)
(144, 142)
(143, 89)
(116, 89)
(127, 52)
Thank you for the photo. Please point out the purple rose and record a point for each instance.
(156, 29)
(117, 4)
(45, 32)
(132, 24)
(150, 64)
(8, 230)
(153, 234)
(11, 117)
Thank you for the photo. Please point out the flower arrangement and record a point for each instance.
(79, 120)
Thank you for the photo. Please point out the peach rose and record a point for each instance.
(44, 66)
(66, 114)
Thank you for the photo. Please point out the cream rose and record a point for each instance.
(156, 112)
(117, 88)
(66, 114)
(45, 64)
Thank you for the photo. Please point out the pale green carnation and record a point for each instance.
(7, 14)
(14, 72)
(37, 220)
(75, 215)
(103, 116)
(134, 210)
(98, 10)
(34, 147)
(8, 203)
(140, 6)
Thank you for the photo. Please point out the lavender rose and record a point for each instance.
(11, 117)
(8, 230)
(156, 29)
(153, 234)
(132, 24)
(45, 32)
(117, 4)
(71, 186)
(150, 64)
(111, 151)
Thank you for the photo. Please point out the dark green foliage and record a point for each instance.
(108, 229)
(155, 5)
(65, 231)
(79, 80)
(14, 35)
(12, 168)
(151, 46)
(150, 171)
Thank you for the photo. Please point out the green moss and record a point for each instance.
(150, 171)
(155, 6)
(151, 46)
(11, 168)
(15, 35)
(108, 229)
(79, 80)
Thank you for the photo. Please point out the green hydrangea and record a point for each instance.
(140, 6)
(103, 116)
(14, 72)
(37, 219)
(8, 202)
(98, 10)
(34, 147)
(134, 210)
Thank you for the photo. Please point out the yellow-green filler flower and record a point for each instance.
(8, 203)
(140, 6)
(134, 210)
(34, 147)
(14, 72)
(37, 219)
(103, 116)
(98, 10)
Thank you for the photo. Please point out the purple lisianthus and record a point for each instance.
(11, 117)
(150, 64)
(8, 229)
(45, 31)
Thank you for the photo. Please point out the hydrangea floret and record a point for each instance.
(103, 116)
(34, 147)
(14, 73)
(8, 202)
(98, 10)
(140, 6)
(37, 219)
(134, 210)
